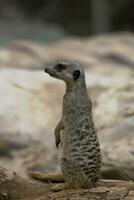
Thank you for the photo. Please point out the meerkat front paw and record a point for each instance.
(57, 140)
(58, 130)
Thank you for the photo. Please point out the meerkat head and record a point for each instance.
(67, 71)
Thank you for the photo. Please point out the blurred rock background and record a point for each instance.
(33, 34)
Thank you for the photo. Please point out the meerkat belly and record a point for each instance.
(80, 158)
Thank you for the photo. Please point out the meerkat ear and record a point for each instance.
(76, 74)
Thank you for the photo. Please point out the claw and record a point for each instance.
(57, 143)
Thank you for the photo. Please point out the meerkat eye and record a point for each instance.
(60, 67)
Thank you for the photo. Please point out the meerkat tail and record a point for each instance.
(47, 177)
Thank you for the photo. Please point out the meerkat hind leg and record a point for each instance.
(48, 177)
(60, 187)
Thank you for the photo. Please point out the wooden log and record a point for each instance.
(13, 186)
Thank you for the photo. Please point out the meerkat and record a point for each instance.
(81, 155)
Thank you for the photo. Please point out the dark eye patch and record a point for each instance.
(61, 67)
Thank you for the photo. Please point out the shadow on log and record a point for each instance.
(13, 187)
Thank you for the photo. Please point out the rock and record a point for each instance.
(26, 117)
(13, 186)
(31, 102)
(112, 49)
